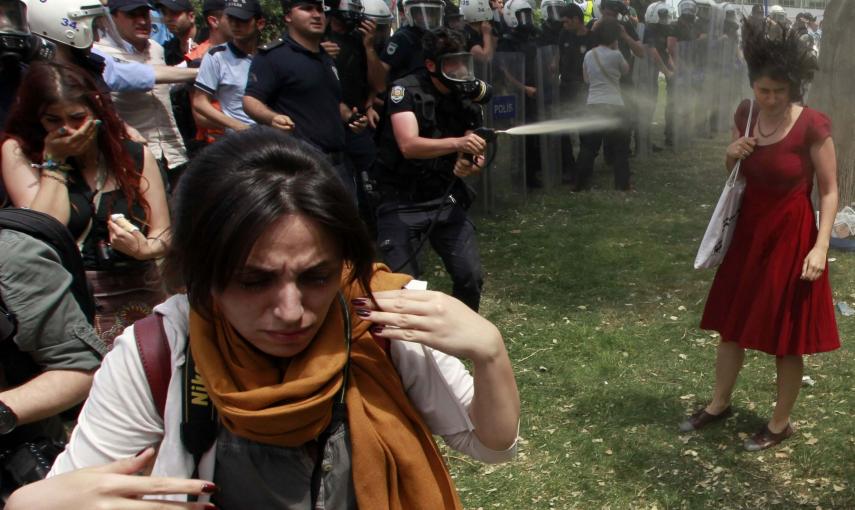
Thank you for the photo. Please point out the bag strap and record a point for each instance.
(603, 69)
(734, 174)
(156, 357)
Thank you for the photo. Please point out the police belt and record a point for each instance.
(431, 197)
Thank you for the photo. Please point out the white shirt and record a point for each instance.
(119, 418)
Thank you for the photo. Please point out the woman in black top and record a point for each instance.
(66, 153)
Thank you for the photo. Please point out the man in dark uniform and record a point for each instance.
(550, 18)
(362, 77)
(293, 85)
(404, 54)
(574, 41)
(422, 152)
(522, 37)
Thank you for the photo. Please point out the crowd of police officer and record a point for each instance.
(397, 112)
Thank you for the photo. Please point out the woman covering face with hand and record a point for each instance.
(328, 377)
(66, 153)
(772, 292)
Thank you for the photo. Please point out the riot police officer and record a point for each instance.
(550, 28)
(404, 54)
(422, 151)
(522, 37)
(479, 31)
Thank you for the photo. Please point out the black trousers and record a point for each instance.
(402, 225)
(615, 143)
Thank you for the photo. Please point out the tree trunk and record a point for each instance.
(831, 91)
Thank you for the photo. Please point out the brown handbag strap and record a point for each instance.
(156, 357)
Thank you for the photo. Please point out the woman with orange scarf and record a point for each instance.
(328, 375)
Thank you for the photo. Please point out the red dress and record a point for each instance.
(757, 298)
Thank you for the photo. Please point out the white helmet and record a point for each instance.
(659, 13)
(476, 10)
(378, 11)
(425, 14)
(687, 7)
(69, 22)
(777, 13)
(512, 8)
(549, 10)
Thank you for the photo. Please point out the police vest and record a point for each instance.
(588, 11)
(424, 179)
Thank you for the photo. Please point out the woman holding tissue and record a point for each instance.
(66, 153)
(771, 292)
(328, 375)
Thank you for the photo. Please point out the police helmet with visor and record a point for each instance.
(377, 11)
(550, 11)
(70, 22)
(518, 13)
(424, 14)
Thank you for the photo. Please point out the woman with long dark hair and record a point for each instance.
(328, 376)
(771, 292)
(66, 153)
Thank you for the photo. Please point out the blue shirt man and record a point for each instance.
(225, 68)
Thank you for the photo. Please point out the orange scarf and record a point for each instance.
(395, 463)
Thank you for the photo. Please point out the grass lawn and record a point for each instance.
(599, 305)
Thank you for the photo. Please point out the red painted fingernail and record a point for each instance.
(210, 506)
(362, 312)
(359, 301)
(209, 488)
(376, 329)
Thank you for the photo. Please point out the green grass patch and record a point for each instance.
(599, 306)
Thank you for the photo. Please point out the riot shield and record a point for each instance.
(548, 108)
(505, 178)
(645, 76)
(682, 100)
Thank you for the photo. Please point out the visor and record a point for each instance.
(425, 16)
(525, 18)
(12, 19)
(353, 12)
(457, 66)
(552, 13)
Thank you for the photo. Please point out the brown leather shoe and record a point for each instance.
(701, 418)
(765, 438)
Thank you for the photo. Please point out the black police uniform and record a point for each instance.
(413, 189)
(525, 42)
(295, 81)
(572, 89)
(352, 65)
(404, 53)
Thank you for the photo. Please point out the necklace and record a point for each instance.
(784, 118)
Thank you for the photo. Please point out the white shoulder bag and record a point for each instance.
(720, 229)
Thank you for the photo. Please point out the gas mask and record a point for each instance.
(17, 44)
(455, 71)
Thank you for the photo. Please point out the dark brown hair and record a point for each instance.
(235, 189)
(772, 51)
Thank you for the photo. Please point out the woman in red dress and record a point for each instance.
(771, 292)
